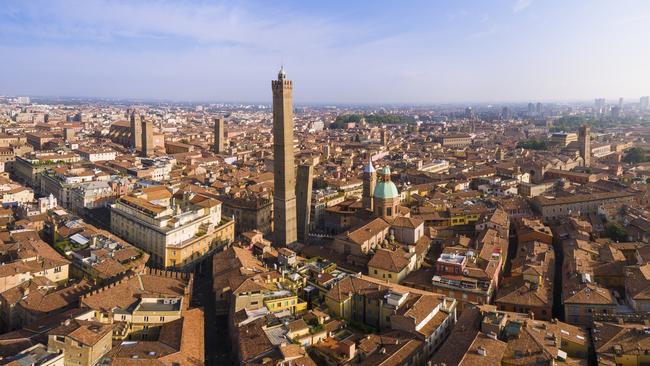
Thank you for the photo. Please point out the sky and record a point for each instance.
(335, 51)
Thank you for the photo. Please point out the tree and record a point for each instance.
(635, 155)
(533, 144)
(569, 123)
(615, 231)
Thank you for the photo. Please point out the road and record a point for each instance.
(217, 342)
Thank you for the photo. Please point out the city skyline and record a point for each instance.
(466, 52)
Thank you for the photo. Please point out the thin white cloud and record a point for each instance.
(483, 33)
(202, 23)
(521, 5)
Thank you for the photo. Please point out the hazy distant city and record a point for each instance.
(420, 183)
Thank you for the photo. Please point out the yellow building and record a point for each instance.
(145, 321)
(189, 251)
(391, 265)
(177, 233)
(284, 300)
(461, 217)
(82, 342)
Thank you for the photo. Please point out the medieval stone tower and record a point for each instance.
(147, 139)
(284, 171)
(585, 144)
(136, 131)
(304, 187)
(218, 145)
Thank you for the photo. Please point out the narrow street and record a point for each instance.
(558, 309)
(217, 342)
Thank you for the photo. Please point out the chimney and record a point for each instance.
(482, 351)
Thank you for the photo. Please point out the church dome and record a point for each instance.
(386, 189)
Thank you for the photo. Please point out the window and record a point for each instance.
(57, 269)
(146, 318)
(162, 319)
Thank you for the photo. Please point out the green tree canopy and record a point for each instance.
(615, 231)
(635, 155)
(533, 144)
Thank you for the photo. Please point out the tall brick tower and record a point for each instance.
(584, 141)
(303, 198)
(217, 148)
(284, 171)
(136, 131)
(147, 139)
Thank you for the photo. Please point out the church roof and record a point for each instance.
(385, 190)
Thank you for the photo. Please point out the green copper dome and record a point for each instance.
(386, 189)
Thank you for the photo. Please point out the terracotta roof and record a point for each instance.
(367, 231)
(389, 260)
(124, 293)
(86, 332)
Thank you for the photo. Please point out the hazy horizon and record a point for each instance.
(357, 53)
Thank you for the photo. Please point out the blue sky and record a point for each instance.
(335, 51)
